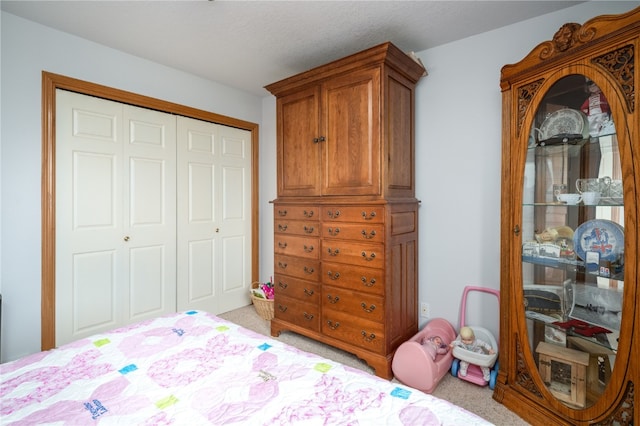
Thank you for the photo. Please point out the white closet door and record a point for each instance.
(115, 215)
(214, 216)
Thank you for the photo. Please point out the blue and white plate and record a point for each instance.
(599, 235)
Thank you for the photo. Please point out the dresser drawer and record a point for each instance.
(364, 214)
(297, 227)
(293, 212)
(305, 315)
(296, 288)
(292, 245)
(371, 232)
(307, 269)
(365, 334)
(359, 305)
(359, 254)
(358, 278)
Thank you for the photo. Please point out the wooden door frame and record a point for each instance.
(51, 82)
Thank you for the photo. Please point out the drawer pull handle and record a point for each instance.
(308, 213)
(333, 276)
(308, 249)
(282, 228)
(282, 308)
(332, 325)
(309, 292)
(370, 258)
(368, 284)
(368, 338)
(369, 236)
(308, 270)
(282, 265)
(308, 230)
(283, 285)
(282, 245)
(333, 300)
(333, 252)
(307, 316)
(333, 231)
(282, 212)
(369, 309)
(369, 217)
(333, 214)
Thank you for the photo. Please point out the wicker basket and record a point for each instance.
(264, 307)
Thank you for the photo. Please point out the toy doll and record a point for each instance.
(597, 109)
(469, 342)
(434, 345)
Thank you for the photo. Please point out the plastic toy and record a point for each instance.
(417, 363)
(471, 360)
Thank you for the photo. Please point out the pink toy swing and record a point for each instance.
(414, 366)
(476, 360)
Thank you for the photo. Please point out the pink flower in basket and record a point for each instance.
(267, 289)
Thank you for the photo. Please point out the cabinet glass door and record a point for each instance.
(573, 241)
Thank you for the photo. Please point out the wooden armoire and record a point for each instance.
(569, 347)
(346, 216)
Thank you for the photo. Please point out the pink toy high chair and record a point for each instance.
(412, 364)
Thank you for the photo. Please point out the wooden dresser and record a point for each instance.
(346, 216)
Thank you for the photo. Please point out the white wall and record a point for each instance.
(457, 148)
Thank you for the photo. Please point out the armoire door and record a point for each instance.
(214, 216)
(115, 214)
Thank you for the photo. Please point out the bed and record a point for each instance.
(195, 368)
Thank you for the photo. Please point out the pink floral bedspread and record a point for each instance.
(194, 368)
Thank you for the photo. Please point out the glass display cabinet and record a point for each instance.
(571, 166)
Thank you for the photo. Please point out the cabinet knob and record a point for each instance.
(319, 139)
(369, 309)
(370, 258)
(369, 216)
(333, 300)
(369, 337)
(368, 236)
(368, 283)
(126, 238)
(516, 230)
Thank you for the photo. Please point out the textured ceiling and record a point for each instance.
(249, 44)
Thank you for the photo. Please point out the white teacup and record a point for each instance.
(590, 198)
(570, 199)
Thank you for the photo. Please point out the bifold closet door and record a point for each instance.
(214, 216)
(115, 214)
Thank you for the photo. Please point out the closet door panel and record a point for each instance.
(214, 216)
(115, 215)
(235, 216)
(150, 212)
(89, 225)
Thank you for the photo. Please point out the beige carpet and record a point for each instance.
(464, 394)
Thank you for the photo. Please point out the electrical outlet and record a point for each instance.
(425, 310)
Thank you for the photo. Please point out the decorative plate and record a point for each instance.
(599, 235)
(565, 122)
